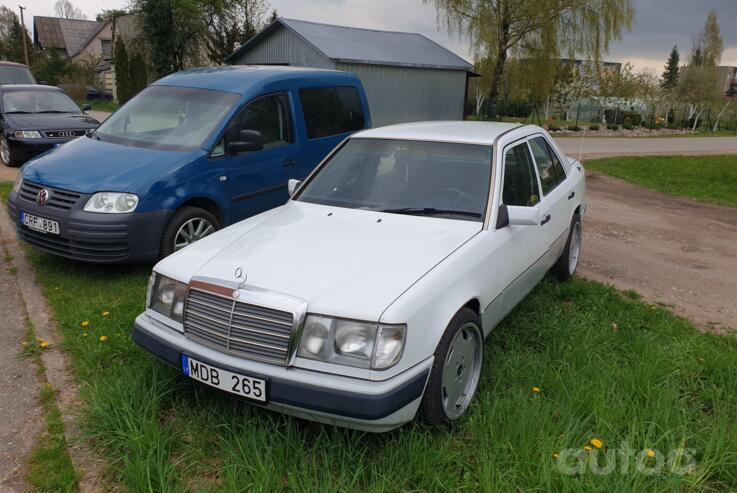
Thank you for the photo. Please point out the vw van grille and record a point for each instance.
(58, 199)
(254, 332)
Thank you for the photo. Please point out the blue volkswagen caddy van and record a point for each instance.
(193, 152)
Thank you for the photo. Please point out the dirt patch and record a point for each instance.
(672, 251)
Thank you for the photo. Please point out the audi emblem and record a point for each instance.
(43, 196)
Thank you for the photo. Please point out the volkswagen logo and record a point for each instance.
(65, 133)
(43, 196)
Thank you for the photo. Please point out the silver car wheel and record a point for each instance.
(191, 231)
(574, 251)
(4, 150)
(462, 370)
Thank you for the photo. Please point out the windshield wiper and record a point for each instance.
(55, 111)
(430, 211)
(20, 112)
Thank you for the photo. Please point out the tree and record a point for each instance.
(122, 72)
(137, 76)
(670, 75)
(11, 37)
(173, 30)
(712, 40)
(66, 9)
(495, 27)
(230, 23)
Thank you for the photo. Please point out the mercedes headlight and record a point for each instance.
(166, 296)
(112, 203)
(27, 134)
(352, 342)
(18, 183)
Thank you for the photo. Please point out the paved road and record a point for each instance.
(642, 146)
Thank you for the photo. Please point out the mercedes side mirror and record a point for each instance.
(292, 186)
(513, 215)
(86, 107)
(246, 140)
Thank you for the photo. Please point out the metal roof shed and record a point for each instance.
(407, 77)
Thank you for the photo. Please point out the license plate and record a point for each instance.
(249, 387)
(40, 223)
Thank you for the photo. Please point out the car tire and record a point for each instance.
(6, 154)
(456, 370)
(186, 226)
(566, 265)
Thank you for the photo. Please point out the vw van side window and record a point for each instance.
(520, 181)
(548, 165)
(219, 149)
(269, 115)
(331, 110)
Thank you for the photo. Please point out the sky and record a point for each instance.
(659, 24)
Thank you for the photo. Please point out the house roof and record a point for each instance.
(369, 46)
(69, 34)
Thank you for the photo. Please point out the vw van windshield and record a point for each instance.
(168, 118)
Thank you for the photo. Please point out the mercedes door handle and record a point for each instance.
(288, 163)
(545, 220)
(571, 195)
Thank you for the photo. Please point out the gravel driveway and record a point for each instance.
(672, 251)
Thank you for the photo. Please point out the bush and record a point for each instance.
(553, 128)
(631, 117)
(612, 126)
(628, 126)
(574, 128)
(594, 127)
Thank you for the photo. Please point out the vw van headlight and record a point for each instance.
(18, 183)
(352, 342)
(112, 203)
(166, 296)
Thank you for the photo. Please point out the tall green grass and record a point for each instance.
(607, 366)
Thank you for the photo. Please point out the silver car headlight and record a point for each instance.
(18, 183)
(112, 203)
(27, 134)
(166, 296)
(352, 342)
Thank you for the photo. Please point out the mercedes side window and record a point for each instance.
(548, 165)
(520, 181)
(269, 115)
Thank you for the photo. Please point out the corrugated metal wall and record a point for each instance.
(402, 94)
(284, 47)
(395, 94)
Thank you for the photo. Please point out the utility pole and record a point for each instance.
(23, 33)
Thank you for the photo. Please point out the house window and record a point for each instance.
(106, 48)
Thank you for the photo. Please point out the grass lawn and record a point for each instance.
(608, 367)
(709, 179)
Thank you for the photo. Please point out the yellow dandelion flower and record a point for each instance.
(650, 453)
(84, 334)
(106, 313)
(597, 443)
(535, 390)
(587, 448)
(103, 338)
(85, 323)
(43, 344)
(556, 456)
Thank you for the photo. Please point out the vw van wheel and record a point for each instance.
(456, 371)
(566, 265)
(5, 154)
(186, 226)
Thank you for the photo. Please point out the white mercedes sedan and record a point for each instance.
(365, 299)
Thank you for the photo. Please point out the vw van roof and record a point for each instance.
(244, 79)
